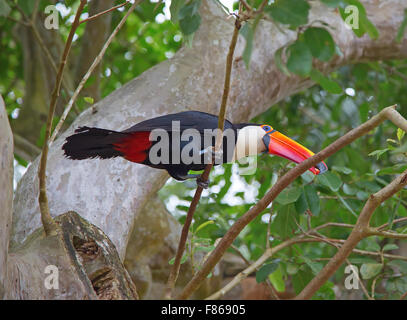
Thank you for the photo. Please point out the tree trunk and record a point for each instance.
(113, 193)
(6, 194)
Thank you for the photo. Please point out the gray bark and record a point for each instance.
(6, 193)
(113, 193)
(79, 262)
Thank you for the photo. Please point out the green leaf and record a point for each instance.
(288, 196)
(204, 249)
(4, 8)
(277, 280)
(400, 134)
(89, 100)
(369, 270)
(397, 168)
(300, 59)
(402, 28)
(189, 10)
(347, 206)
(316, 267)
(378, 153)
(390, 246)
(308, 200)
(279, 61)
(284, 223)
(27, 6)
(183, 259)
(248, 33)
(203, 225)
(291, 12)
(190, 24)
(330, 180)
(189, 18)
(372, 245)
(344, 170)
(364, 24)
(301, 205)
(326, 83)
(399, 264)
(175, 7)
(266, 269)
(320, 42)
(349, 190)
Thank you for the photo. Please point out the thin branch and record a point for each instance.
(90, 70)
(205, 175)
(384, 226)
(47, 221)
(246, 5)
(257, 264)
(360, 231)
(103, 12)
(387, 113)
(386, 234)
(299, 239)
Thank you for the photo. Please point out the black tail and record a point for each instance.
(91, 143)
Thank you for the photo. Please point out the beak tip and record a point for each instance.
(321, 168)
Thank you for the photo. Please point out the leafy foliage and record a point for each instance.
(316, 117)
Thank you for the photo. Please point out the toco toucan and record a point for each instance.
(179, 142)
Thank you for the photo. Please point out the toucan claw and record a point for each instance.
(202, 184)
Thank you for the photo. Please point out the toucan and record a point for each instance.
(184, 141)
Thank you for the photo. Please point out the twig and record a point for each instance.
(299, 239)
(90, 70)
(103, 12)
(258, 263)
(47, 221)
(387, 113)
(205, 175)
(246, 5)
(386, 234)
(384, 226)
(360, 231)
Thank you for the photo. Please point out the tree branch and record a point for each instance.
(104, 12)
(387, 113)
(360, 231)
(90, 70)
(47, 221)
(205, 175)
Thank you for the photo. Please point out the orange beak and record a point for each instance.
(282, 146)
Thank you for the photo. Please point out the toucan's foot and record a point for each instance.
(202, 184)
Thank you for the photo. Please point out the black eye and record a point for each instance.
(266, 128)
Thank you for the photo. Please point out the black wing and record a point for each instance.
(188, 119)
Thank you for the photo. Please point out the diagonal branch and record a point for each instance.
(360, 231)
(90, 70)
(205, 175)
(387, 113)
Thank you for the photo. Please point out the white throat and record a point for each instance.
(249, 142)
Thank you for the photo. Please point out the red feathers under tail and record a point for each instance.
(101, 143)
